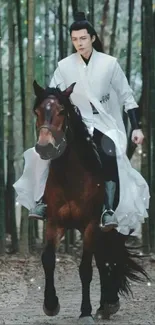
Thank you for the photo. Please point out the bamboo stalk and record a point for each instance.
(114, 26)
(21, 66)
(61, 49)
(148, 60)
(2, 172)
(11, 144)
(47, 57)
(104, 21)
(29, 126)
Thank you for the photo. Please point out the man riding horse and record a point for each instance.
(100, 91)
(79, 168)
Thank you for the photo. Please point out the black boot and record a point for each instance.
(108, 220)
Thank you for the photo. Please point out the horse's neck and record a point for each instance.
(67, 161)
(70, 163)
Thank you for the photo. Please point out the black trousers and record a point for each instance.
(107, 153)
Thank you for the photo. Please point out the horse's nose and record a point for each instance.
(44, 137)
(44, 150)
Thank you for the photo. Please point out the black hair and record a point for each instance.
(82, 23)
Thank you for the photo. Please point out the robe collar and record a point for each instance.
(87, 60)
(82, 60)
(86, 69)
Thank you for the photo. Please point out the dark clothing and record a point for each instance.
(134, 118)
(107, 152)
(86, 60)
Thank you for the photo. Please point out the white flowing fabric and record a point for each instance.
(31, 185)
(102, 80)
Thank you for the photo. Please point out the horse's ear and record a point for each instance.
(67, 92)
(37, 89)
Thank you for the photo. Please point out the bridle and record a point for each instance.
(65, 126)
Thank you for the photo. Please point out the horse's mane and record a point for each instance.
(83, 142)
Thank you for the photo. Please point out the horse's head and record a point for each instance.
(51, 111)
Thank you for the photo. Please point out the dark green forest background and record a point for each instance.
(34, 36)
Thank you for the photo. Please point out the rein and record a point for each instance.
(63, 141)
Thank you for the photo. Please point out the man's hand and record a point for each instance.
(137, 136)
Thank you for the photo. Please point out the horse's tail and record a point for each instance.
(130, 268)
(117, 262)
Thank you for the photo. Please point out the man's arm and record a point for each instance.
(120, 85)
(125, 95)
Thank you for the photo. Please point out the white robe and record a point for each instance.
(101, 80)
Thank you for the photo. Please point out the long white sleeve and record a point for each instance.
(57, 80)
(123, 90)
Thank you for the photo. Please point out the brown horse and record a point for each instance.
(74, 195)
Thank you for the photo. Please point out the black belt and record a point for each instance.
(94, 109)
(104, 100)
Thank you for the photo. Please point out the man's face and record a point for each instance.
(82, 42)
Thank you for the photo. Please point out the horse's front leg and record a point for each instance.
(51, 304)
(107, 250)
(86, 271)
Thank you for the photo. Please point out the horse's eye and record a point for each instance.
(61, 112)
(36, 113)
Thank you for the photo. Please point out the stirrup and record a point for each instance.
(107, 225)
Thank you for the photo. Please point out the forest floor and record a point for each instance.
(22, 289)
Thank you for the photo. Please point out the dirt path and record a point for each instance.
(22, 286)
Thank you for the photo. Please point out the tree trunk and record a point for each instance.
(74, 7)
(91, 11)
(67, 28)
(129, 50)
(104, 21)
(148, 96)
(2, 172)
(145, 124)
(29, 126)
(61, 50)
(55, 33)
(114, 26)
(47, 50)
(21, 66)
(10, 148)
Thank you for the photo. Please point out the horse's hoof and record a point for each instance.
(109, 309)
(51, 313)
(113, 308)
(86, 320)
(102, 314)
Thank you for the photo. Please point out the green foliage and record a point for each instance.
(120, 48)
(39, 64)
